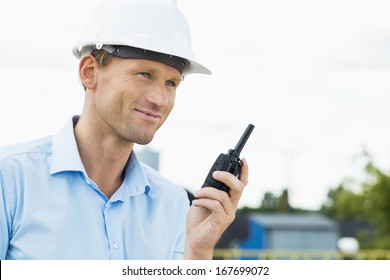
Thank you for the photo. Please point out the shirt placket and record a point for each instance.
(113, 232)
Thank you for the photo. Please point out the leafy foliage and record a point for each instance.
(370, 204)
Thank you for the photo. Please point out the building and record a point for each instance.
(150, 157)
(291, 232)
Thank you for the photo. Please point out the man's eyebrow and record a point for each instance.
(153, 70)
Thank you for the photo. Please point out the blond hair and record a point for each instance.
(103, 58)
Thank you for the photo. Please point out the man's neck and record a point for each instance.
(103, 157)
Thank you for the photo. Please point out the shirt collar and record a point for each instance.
(66, 157)
(135, 181)
(65, 154)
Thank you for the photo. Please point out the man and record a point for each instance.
(82, 194)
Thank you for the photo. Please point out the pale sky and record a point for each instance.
(312, 76)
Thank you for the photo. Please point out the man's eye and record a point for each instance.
(144, 74)
(170, 83)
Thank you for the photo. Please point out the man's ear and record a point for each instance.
(87, 71)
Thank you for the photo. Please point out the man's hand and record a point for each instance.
(212, 212)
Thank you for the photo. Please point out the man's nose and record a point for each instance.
(158, 95)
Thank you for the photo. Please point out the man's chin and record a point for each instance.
(144, 140)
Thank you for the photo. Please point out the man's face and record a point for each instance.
(134, 97)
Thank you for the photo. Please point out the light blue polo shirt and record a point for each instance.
(50, 209)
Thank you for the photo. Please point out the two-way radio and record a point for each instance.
(229, 162)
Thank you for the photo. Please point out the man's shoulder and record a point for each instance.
(41, 145)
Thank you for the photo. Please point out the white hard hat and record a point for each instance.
(152, 26)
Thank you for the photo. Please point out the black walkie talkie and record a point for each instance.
(228, 162)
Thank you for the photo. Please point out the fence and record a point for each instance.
(234, 254)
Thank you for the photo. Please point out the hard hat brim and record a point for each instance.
(191, 66)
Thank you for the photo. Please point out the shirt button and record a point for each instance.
(116, 246)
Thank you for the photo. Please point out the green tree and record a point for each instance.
(370, 203)
(273, 204)
(283, 203)
(377, 193)
(345, 204)
(269, 202)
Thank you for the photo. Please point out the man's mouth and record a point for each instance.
(148, 115)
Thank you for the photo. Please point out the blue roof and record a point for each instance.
(294, 221)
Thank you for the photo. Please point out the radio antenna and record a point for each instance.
(243, 139)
